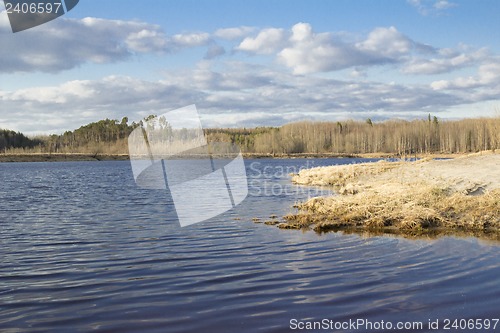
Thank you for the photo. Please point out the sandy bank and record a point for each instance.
(411, 197)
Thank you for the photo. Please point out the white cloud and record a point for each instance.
(67, 43)
(146, 41)
(305, 51)
(301, 32)
(191, 40)
(69, 91)
(487, 77)
(75, 103)
(266, 42)
(233, 33)
(428, 7)
(311, 52)
(443, 4)
(386, 42)
(448, 60)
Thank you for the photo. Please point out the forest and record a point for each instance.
(399, 137)
(10, 139)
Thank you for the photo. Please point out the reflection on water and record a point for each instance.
(492, 238)
(84, 249)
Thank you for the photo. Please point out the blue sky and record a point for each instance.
(252, 63)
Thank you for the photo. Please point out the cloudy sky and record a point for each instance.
(252, 63)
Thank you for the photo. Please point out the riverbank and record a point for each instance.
(57, 157)
(34, 157)
(426, 196)
(345, 155)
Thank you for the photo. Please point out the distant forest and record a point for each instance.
(10, 139)
(429, 135)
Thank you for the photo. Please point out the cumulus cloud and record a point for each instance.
(146, 40)
(267, 41)
(487, 77)
(448, 60)
(191, 40)
(236, 76)
(72, 104)
(386, 42)
(311, 52)
(305, 51)
(67, 43)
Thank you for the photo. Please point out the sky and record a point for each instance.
(252, 63)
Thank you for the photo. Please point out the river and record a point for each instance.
(83, 249)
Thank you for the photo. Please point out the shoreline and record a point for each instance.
(75, 157)
(408, 198)
(361, 155)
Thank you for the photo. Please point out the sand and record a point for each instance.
(466, 173)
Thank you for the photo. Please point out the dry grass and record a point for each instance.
(416, 208)
(402, 197)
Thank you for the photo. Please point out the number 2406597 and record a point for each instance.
(33, 8)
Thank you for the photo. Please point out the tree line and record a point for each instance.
(356, 137)
(402, 137)
(10, 139)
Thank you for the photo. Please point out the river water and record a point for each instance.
(84, 249)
